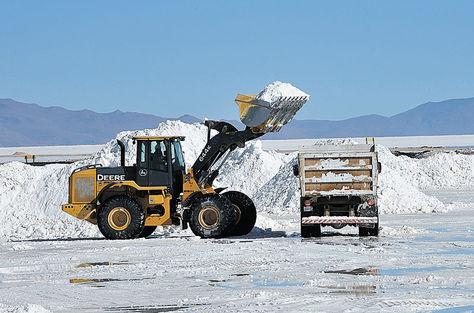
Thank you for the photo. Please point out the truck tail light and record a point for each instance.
(371, 202)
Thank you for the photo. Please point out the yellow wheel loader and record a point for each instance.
(131, 201)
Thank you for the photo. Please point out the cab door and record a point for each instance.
(153, 163)
(159, 165)
(142, 163)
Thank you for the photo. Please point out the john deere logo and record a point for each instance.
(143, 172)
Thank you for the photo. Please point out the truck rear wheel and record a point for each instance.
(246, 213)
(121, 218)
(308, 231)
(147, 231)
(212, 216)
(367, 231)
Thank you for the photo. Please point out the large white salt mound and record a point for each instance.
(276, 90)
(248, 169)
(29, 203)
(440, 170)
(280, 195)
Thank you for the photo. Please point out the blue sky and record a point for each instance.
(175, 57)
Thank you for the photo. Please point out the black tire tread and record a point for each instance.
(227, 214)
(248, 215)
(137, 214)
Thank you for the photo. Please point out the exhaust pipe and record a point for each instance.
(122, 153)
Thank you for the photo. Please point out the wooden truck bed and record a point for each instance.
(338, 170)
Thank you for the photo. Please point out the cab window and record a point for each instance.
(177, 155)
(158, 156)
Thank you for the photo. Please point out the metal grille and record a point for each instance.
(84, 189)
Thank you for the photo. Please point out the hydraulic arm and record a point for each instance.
(228, 138)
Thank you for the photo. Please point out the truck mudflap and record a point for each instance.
(311, 220)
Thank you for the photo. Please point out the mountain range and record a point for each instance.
(23, 124)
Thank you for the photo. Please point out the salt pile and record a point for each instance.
(276, 90)
(30, 197)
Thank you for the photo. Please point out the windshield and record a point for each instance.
(177, 153)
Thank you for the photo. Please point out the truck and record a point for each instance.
(338, 186)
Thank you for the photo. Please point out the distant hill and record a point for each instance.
(449, 117)
(24, 124)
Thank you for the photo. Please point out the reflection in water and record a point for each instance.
(373, 271)
(356, 289)
(146, 309)
(93, 264)
(103, 280)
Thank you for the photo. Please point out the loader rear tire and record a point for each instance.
(121, 218)
(212, 216)
(147, 231)
(246, 213)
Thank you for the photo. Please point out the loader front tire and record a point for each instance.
(212, 216)
(121, 218)
(246, 213)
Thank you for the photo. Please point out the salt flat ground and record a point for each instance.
(422, 262)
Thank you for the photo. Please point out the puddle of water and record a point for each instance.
(78, 281)
(147, 309)
(93, 264)
(268, 283)
(457, 309)
(462, 251)
(371, 271)
(440, 229)
(356, 289)
(445, 239)
(240, 274)
(217, 280)
(409, 270)
(276, 283)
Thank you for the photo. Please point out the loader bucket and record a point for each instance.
(263, 116)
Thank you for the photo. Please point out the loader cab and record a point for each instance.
(160, 162)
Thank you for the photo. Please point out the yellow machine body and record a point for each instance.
(84, 189)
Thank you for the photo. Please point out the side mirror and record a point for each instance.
(379, 167)
(296, 170)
